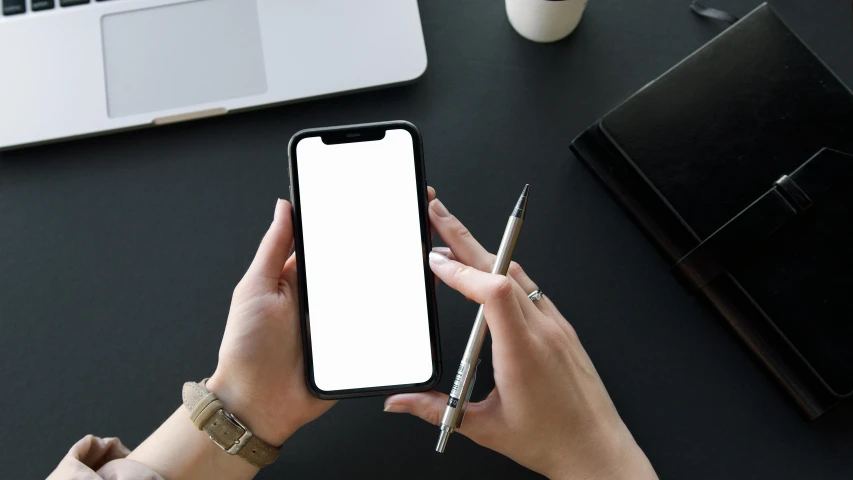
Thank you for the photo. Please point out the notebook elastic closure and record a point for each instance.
(746, 230)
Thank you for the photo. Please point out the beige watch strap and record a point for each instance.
(208, 414)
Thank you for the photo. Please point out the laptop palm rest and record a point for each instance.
(180, 55)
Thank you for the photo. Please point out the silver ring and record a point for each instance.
(536, 295)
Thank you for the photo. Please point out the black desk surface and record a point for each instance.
(118, 255)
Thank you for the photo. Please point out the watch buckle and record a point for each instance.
(238, 444)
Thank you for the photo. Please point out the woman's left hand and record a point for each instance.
(260, 377)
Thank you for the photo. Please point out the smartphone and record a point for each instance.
(361, 230)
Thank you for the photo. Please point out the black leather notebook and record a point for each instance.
(737, 163)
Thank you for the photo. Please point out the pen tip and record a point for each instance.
(521, 205)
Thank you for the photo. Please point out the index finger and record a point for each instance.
(466, 248)
(495, 292)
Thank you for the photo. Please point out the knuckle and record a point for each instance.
(501, 288)
(515, 269)
(461, 230)
(490, 263)
(571, 333)
(554, 336)
(459, 273)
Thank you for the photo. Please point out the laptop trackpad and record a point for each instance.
(181, 55)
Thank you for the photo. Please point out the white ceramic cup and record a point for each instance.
(544, 20)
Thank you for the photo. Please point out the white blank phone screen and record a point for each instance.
(367, 302)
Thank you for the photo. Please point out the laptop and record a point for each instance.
(80, 67)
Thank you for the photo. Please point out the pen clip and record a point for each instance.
(467, 396)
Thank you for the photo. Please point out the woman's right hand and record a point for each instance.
(549, 410)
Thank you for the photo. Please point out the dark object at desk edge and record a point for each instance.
(725, 295)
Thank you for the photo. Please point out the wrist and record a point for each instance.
(177, 450)
(252, 413)
(617, 457)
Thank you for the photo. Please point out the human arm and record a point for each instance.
(549, 410)
(260, 375)
(260, 378)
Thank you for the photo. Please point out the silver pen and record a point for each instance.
(463, 384)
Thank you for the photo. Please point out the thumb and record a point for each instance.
(429, 406)
(275, 247)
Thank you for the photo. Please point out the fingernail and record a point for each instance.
(395, 408)
(437, 258)
(439, 208)
(441, 250)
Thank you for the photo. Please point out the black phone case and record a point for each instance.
(366, 132)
